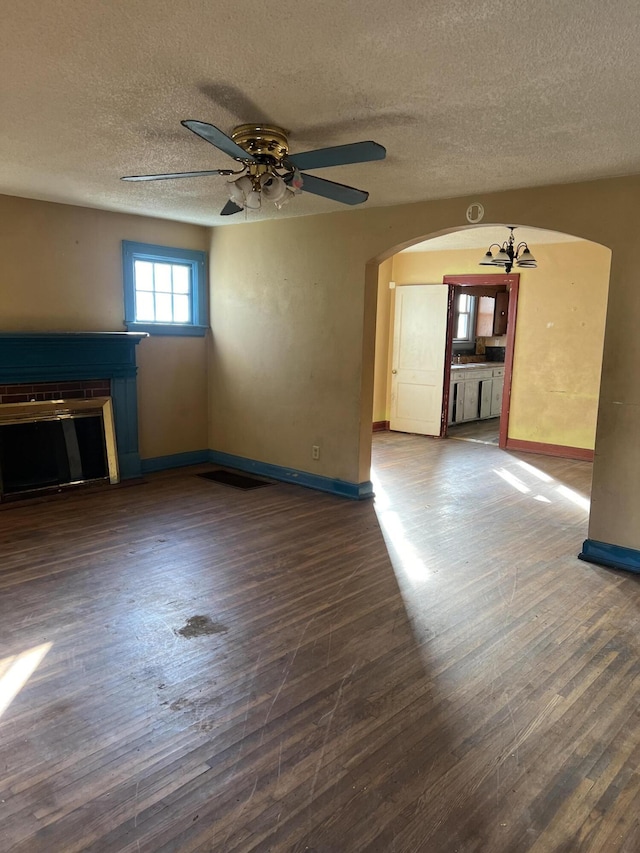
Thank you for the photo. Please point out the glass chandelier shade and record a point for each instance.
(509, 254)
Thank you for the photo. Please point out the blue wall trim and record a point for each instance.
(197, 262)
(356, 491)
(175, 460)
(53, 356)
(614, 556)
(184, 330)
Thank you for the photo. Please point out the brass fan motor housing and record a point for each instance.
(262, 140)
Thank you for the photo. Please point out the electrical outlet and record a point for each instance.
(315, 451)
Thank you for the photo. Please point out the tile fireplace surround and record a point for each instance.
(77, 364)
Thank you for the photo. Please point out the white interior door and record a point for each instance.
(419, 339)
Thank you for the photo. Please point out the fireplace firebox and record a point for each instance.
(83, 439)
(53, 444)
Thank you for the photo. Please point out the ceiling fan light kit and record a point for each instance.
(275, 189)
(248, 190)
(242, 193)
(508, 254)
(268, 170)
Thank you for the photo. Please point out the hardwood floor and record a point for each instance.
(484, 432)
(431, 672)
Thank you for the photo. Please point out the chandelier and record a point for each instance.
(508, 253)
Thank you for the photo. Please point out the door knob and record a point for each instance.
(394, 370)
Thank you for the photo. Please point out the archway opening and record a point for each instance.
(558, 331)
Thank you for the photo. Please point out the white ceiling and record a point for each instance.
(466, 95)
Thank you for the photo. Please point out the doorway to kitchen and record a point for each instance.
(481, 328)
(431, 324)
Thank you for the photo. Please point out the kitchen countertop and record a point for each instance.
(477, 364)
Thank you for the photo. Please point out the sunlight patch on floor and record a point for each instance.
(531, 469)
(514, 481)
(571, 495)
(394, 533)
(575, 497)
(16, 670)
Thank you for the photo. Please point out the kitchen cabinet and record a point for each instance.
(486, 313)
(470, 403)
(456, 402)
(500, 314)
(492, 315)
(486, 397)
(497, 385)
(475, 392)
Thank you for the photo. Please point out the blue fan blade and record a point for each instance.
(329, 189)
(339, 155)
(229, 209)
(176, 175)
(218, 138)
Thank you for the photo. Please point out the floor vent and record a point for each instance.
(238, 481)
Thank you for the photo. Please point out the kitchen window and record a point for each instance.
(464, 320)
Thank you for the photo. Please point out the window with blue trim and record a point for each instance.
(165, 289)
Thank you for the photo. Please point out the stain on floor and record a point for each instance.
(200, 626)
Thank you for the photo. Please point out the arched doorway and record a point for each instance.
(557, 361)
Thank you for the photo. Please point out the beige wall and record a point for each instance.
(559, 343)
(559, 336)
(293, 361)
(287, 320)
(293, 315)
(62, 271)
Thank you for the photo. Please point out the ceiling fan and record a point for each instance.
(268, 170)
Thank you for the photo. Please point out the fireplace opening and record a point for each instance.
(53, 444)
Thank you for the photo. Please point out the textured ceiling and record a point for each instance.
(466, 95)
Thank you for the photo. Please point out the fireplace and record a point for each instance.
(68, 408)
(58, 443)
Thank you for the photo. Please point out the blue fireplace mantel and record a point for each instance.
(57, 356)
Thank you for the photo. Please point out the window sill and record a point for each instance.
(169, 329)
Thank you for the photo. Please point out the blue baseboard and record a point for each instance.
(355, 491)
(613, 556)
(175, 460)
